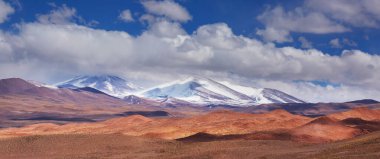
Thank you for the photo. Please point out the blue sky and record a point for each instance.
(240, 15)
(320, 50)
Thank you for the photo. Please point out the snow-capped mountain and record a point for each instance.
(111, 85)
(205, 91)
(193, 90)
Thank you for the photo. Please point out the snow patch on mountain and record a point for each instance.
(39, 84)
(111, 85)
(255, 93)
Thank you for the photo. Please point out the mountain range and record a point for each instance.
(25, 102)
(192, 90)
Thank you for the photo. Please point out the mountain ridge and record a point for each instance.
(205, 91)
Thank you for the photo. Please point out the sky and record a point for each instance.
(316, 50)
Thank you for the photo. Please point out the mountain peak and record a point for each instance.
(110, 84)
(197, 78)
(14, 85)
(13, 80)
(194, 79)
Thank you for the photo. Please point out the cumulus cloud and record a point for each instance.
(205, 49)
(166, 51)
(168, 9)
(126, 16)
(5, 10)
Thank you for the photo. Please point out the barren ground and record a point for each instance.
(120, 146)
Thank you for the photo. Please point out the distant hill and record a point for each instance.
(364, 101)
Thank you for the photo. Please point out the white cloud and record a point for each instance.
(279, 23)
(349, 42)
(63, 15)
(270, 34)
(171, 48)
(306, 44)
(363, 13)
(164, 28)
(126, 16)
(339, 43)
(319, 17)
(335, 43)
(299, 20)
(147, 18)
(168, 9)
(5, 11)
(218, 36)
(60, 15)
(6, 49)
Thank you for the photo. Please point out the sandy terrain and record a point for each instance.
(120, 146)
